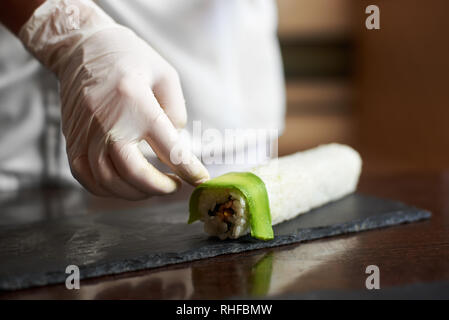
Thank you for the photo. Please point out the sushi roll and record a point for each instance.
(238, 203)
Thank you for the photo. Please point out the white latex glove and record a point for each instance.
(115, 92)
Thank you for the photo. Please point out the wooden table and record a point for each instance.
(406, 254)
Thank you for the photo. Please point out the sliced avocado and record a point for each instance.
(255, 194)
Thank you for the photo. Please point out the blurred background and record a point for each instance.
(385, 92)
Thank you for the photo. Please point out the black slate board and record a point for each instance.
(110, 243)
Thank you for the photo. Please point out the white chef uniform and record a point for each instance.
(225, 51)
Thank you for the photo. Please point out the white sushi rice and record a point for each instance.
(295, 184)
(212, 224)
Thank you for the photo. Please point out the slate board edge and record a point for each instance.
(154, 260)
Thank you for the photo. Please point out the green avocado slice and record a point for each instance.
(255, 194)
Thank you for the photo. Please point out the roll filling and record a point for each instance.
(225, 218)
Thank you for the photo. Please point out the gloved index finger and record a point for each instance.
(168, 93)
(165, 141)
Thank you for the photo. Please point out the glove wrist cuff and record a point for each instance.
(57, 27)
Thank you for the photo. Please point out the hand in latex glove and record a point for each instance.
(115, 91)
